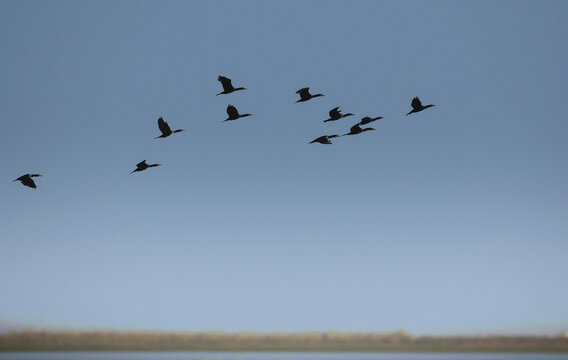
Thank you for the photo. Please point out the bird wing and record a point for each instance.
(141, 163)
(226, 82)
(232, 112)
(304, 92)
(28, 181)
(164, 127)
(335, 112)
(416, 104)
(355, 128)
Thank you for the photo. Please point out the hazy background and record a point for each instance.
(450, 220)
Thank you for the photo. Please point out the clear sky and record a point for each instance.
(452, 219)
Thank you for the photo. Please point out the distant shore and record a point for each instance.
(313, 341)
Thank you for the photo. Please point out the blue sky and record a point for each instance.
(445, 221)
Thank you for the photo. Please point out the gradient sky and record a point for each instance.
(453, 219)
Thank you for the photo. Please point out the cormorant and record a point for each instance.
(27, 180)
(324, 139)
(368, 119)
(141, 166)
(305, 94)
(165, 129)
(335, 114)
(227, 86)
(417, 106)
(356, 129)
(234, 113)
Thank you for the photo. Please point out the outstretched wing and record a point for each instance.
(335, 112)
(164, 127)
(355, 129)
(226, 82)
(304, 92)
(28, 181)
(141, 164)
(232, 112)
(416, 104)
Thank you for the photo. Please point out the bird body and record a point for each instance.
(141, 166)
(356, 129)
(165, 129)
(27, 180)
(305, 94)
(227, 85)
(335, 114)
(417, 106)
(234, 113)
(324, 139)
(368, 119)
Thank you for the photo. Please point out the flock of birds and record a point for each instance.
(233, 113)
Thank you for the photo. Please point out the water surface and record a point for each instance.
(195, 355)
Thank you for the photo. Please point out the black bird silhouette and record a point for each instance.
(324, 139)
(27, 180)
(417, 106)
(305, 94)
(356, 129)
(165, 129)
(234, 113)
(368, 119)
(227, 85)
(141, 166)
(335, 114)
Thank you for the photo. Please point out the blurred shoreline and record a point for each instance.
(307, 341)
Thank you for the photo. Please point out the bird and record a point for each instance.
(335, 114)
(324, 139)
(368, 119)
(417, 106)
(305, 94)
(356, 129)
(234, 113)
(165, 129)
(27, 180)
(227, 86)
(141, 166)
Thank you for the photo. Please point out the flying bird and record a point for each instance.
(27, 180)
(141, 166)
(356, 129)
(305, 94)
(227, 85)
(234, 113)
(324, 139)
(368, 119)
(335, 114)
(165, 129)
(417, 106)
